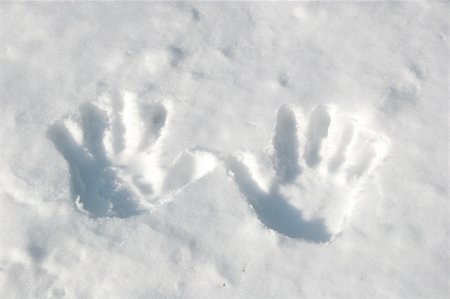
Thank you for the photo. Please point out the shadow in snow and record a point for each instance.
(285, 143)
(154, 117)
(317, 131)
(274, 211)
(177, 56)
(93, 180)
(271, 207)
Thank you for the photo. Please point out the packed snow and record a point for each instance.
(224, 150)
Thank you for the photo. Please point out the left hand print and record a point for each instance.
(112, 150)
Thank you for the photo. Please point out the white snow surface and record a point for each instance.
(224, 150)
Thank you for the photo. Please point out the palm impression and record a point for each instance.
(113, 152)
(306, 186)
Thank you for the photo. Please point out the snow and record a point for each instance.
(224, 150)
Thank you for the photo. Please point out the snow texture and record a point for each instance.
(224, 150)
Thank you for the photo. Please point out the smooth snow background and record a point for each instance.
(226, 68)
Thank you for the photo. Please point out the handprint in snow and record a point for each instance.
(111, 147)
(307, 186)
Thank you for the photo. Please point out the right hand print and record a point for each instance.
(307, 186)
